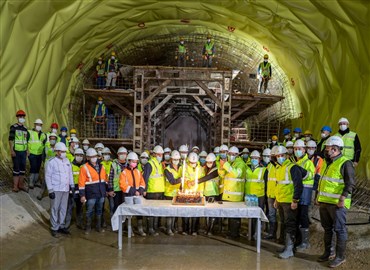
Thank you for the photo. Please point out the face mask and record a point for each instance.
(73, 135)
(122, 157)
(21, 120)
(254, 162)
(245, 156)
(79, 159)
(296, 135)
(94, 159)
(343, 127)
(181, 42)
(202, 161)
(112, 58)
(100, 102)
(133, 165)
(324, 135)
(85, 147)
(193, 165)
(265, 61)
(232, 158)
(281, 160)
(143, 161)
(106, 157)
(209, 164)
(52, 142)
(286, 136)
(159, 159)
(175, 162)
(99, 152)
(307, 139)
(273, 142)
(75, 146)
(38, 128)
(183, 156)
(266, 159)
(298, 153)
(64, 133)
(167, 157)
(223, 156)
(54, 130)
(208, 40)
(99, 62)
(63, 155)
(290, 150)
(310, 152)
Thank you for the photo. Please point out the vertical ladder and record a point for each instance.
(138, 111)
(226, 110)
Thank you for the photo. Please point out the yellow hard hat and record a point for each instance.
(209, 36)
(274, 138)
(266, 56)
(100, 58)
(181, 38)
(100, 98)
(308, 132)
(73, 131)
(113, 53)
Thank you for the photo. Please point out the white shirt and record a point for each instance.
(58, 175)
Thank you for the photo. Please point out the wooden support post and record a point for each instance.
(160, 105)
(245, 108)
(209, 93)
(208, 110)
(156, 92)
(123, 108)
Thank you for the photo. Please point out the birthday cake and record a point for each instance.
(188, 198)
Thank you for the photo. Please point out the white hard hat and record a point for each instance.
(299, 143)
(86, 141)
(91, 152)
(281, 150)
(224, 148)
(183, 148)
(255, 153)
(195, 147)
(122, 150)
(144, 155)
(132, 156)
(343, 119)
(167, 149)
(245, 150)
(53, 135)
(334, 141)
(79, 151)
(74, 140)
(38, 121)
(99, 145)
(266, 152)
(193, 157)
(60, 147)
(211, 157)
(158, 149)
(216, 150)
(311, 144)
(106, 150)
(289, 144)
(234, 150)
(175, 154)
(273, 150)
(203, 154)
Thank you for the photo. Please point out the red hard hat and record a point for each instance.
(54, 125)
(20, 113)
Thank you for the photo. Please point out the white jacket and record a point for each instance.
(58, 175)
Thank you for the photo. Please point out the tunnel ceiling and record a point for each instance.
(321, 47)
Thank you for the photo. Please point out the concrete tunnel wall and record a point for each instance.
(322, 45)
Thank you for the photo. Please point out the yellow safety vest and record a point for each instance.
(349, 144)
(117, 172)
(49, 151)
(182, 49)
(265, 69)
(190, 175)
(76, 172)
(255, 184)
(156, 178)
(284, 183)
(35, 144)
(171, 190)
(211, 187)
(20, 140)
(332, 184)
(208, 48)
(271, 181)
(308, 165)
(234, 180)
(70, 156)
(107, 165)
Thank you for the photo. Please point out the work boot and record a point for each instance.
(289, 245)
(21, 185)
(36, 180)
(210, 226)
(281, 239)
(140, 227)
(194, 226)
(328, 247)
(173, 225)
(99, 227)
(305, 235)
(185, 226)
(333, 245)
(88, 225)
(272, 231)
(169, 226)
(79, 222)
(64, 231)
(340, 256)
(151, 227)
(31, 181)
(15, 183)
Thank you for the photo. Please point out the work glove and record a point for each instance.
(52, 195)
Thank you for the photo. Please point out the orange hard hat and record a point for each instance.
(20, 113)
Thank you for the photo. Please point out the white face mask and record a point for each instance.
(193, 165)
(266, 159)
(273, 142)
(52, 142)
(85, 147)
(183, 156)
(287, 136)
(343, 127)
(106, 157)
(54, 130)
(38, 128)
(324, 135)
(265, 60)
(143, 161)
(63, 155)
(75, 146)
(167, 157)
(79, 158)
(296, 135)
(310, 152)
(64, 133)
(94, 159)
(182, 42)
(99, 62)
(21, 120)
(208, 40)
(175, 162)
(290, 150)
(307, 138)
(100, 102)
(122, 157)
(99, 152)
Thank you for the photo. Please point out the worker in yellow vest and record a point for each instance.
(334, 197)
(166, 157)
(144, 159)
(208, 52)
(107, 164)
(264, 73)
(181, 53)
(290, 150)
(73, 145)
(100, 115)
(184, 151)
(100, 74)
(155, 184)
(36, 146)
(288, 192)
(352, 145)
(305, 200)
(325, 134)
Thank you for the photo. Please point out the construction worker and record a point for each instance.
(154, 182)
(233, 172)
(287, 136)
(274, 141)
(73, 145)
(245, 156)
(352, 145)
(307, 135)
(202, 158)
(85, 145)
(325, 134)
(53, 129)
(132, 183)
(99, 117)
(290, 151)
(306, 197)
(99, 147)
(92, 185)
(208, 52)
(107, 163)
(184, 150)
(167, 157)
(297, 134)
(216, 151)
(118, 165)
(264, 73)
(100, 74)
(74, 198)
(224, 150)
(266, 157)
(288, 191)
(36, 146)
(173, 174)
(59, 181)
(112, 72)
(144, 158)
(195, 149)
(181, 54)
(334, 197)
(18, 144)
(63, 136)
(318, 162)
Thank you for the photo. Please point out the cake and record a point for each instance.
(188, 198)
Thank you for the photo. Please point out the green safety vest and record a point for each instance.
(271, 181)
(49, 151)
(284, 183)
(208, 47)
(171, 190)
(102, 110)
(182, 48)
(349, 144)
(265, 70)
(35, 144)
(190, 175)
(70, 156)
(308, 165)
(332, 184)
(234, 181)
(117, 172)
(100, 70)
(20, 140)
(255, 184)
(211, 187)
(156, 178)
(76, 172)
(107, 165)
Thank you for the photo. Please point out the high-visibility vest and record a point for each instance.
(171, 190)
(349, 144)
(265, 69)
(284, 183)
(35, 144)
(211, 187)
(20, 140)
(182, 49)
(234, 181)
(70, 156)
(100, 69)
(190, 175)
(49, 151)
(331, 184)
(102, 111)
(209, 48)
(255, 184)
(156, 178)
(107, 165)
(271, 180)
(112, 65)
(308, 165)
(76, 172)
(116, 171)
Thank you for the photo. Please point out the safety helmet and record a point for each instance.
(144, 155)
(63, 129)
(158, 149)
(193, 157)
(183, 148)
(91, 152)
(38, 121)
(53, 135)
(297, 130)
(73, 131)
(209, 36)
(224, 148)
(266, 152)
(60, 147)
(211, 157)
(299, 143)
(113, 53)
(311, 143)
(266, 56)
(286, 131)
(234, 150)
(281, 150)
(245, 150)
(195, 147)
(175, 154)
(74, 140)
(167, 150)
(181, 38)
(255, 154)
(100, 58)
(20, 113)
(132, 156)
(343, 120)
(307, 132)
(334, 141)
(273, 150)
(326, 128)
(274, 138)
(203, 154)
(99, 145)
(54, 125)
(100, 99)
(86, 141)
(216, 150)
(106, 150)
(79, 151)
(289, 144)
(123, 150)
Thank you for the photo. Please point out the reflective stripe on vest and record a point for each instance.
(265, 70)
(308, 165)
(349, 144)
(117, 171)
(208, 48)
(211, 187)
(20, 140)
(88, 173)
(255, 185)
(171, 190)
(156, 178)
(182, 49)
(284, 188)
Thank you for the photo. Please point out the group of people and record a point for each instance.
(287, 178)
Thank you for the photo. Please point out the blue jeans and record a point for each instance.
(94, 205)
(272, 210)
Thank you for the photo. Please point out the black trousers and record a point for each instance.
(289, 217)
(333, 219)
